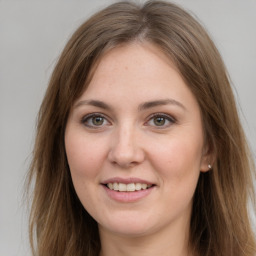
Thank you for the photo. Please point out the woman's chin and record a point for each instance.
(126, 229)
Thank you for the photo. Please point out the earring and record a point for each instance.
(209, 166)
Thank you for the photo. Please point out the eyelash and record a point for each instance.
(85, 120)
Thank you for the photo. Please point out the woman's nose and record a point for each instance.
(126, 148)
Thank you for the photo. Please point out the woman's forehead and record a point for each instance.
(137, 71)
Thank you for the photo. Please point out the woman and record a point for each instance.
(139, 148)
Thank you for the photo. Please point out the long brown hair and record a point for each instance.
(220, 225)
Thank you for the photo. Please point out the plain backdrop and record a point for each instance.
(32, 35)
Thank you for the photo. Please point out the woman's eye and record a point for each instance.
(161, 121)
(95, 121)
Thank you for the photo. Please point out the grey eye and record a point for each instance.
(97, 120)
(159, 121)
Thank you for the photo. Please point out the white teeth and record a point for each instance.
(122, 187)
(115, 186)
(131, 187)
(143, 186)
(110, 185)
(138, 186)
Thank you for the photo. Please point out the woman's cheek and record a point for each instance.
(177, 157)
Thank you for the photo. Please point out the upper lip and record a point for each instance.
(127, 180)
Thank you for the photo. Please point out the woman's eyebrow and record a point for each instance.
(96, 103)
(143, 106)
(155, 103)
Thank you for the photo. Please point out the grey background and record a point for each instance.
(32, 35)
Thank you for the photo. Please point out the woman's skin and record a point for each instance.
(138, 124)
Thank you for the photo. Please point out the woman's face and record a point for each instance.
(134, 143)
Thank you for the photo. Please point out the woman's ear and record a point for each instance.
(207, 160)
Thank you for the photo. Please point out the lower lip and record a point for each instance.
(128, 197)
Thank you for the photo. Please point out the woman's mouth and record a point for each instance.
(127, 190)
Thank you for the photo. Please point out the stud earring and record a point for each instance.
(209, 166)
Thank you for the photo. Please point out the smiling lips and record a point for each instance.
(127, 190)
